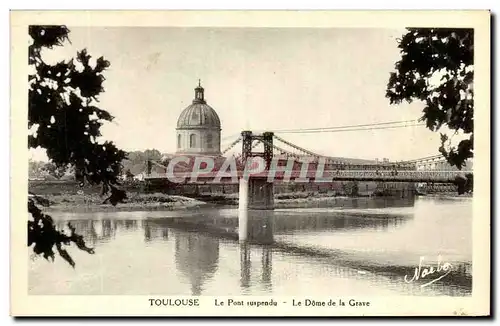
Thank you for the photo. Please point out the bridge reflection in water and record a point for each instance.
(205, 251)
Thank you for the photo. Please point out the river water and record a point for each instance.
(351, 246)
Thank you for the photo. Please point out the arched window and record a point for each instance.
(209, 141)
(192, 140)
(179, 139)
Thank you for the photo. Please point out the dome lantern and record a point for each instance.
(199, 96)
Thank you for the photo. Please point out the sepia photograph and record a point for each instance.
(247, 167)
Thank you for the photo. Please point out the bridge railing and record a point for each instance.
(322, 176)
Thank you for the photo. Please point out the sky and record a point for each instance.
(256, 79)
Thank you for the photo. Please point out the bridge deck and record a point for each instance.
(318, 177)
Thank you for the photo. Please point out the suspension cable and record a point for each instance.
(231, 145)
(297, 147)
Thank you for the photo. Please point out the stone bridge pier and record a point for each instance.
(261, 194)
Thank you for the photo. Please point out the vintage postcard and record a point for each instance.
(250, 163)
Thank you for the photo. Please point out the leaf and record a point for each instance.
(64, 254)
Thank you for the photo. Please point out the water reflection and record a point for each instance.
(267, 268)
(246, 266)
(196, 257)
(130, 225)
(286, 222)
(195, 252)
(93, 231)
(263, 225)
(344, 202)
(261, 229)
(153, 231)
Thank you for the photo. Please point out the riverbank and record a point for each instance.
(159, 201)
(92, 202)
(137, 201)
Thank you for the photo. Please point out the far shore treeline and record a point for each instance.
(133, 165)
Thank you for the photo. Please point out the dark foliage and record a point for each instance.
(464, 184)
(129, 175)
(448, 53)
(116, 196)
(44, 236)
(351, 188)
(62, 110)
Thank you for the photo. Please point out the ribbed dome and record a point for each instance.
(198, 115)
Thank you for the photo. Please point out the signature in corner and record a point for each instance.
(421, 272)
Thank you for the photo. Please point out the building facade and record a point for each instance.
(198, 128)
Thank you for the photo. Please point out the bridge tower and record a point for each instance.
(254, 193)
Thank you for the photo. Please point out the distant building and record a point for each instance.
(139, 177)
(198, 128)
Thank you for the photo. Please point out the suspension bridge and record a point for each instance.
(287, 161)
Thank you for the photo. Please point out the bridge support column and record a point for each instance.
(255, 193)
(261, 194)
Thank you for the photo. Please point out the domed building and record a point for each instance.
(198, 128)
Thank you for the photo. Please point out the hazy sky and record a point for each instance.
(255, 79)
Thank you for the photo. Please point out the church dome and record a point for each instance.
(198, 128)
(199, 114)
